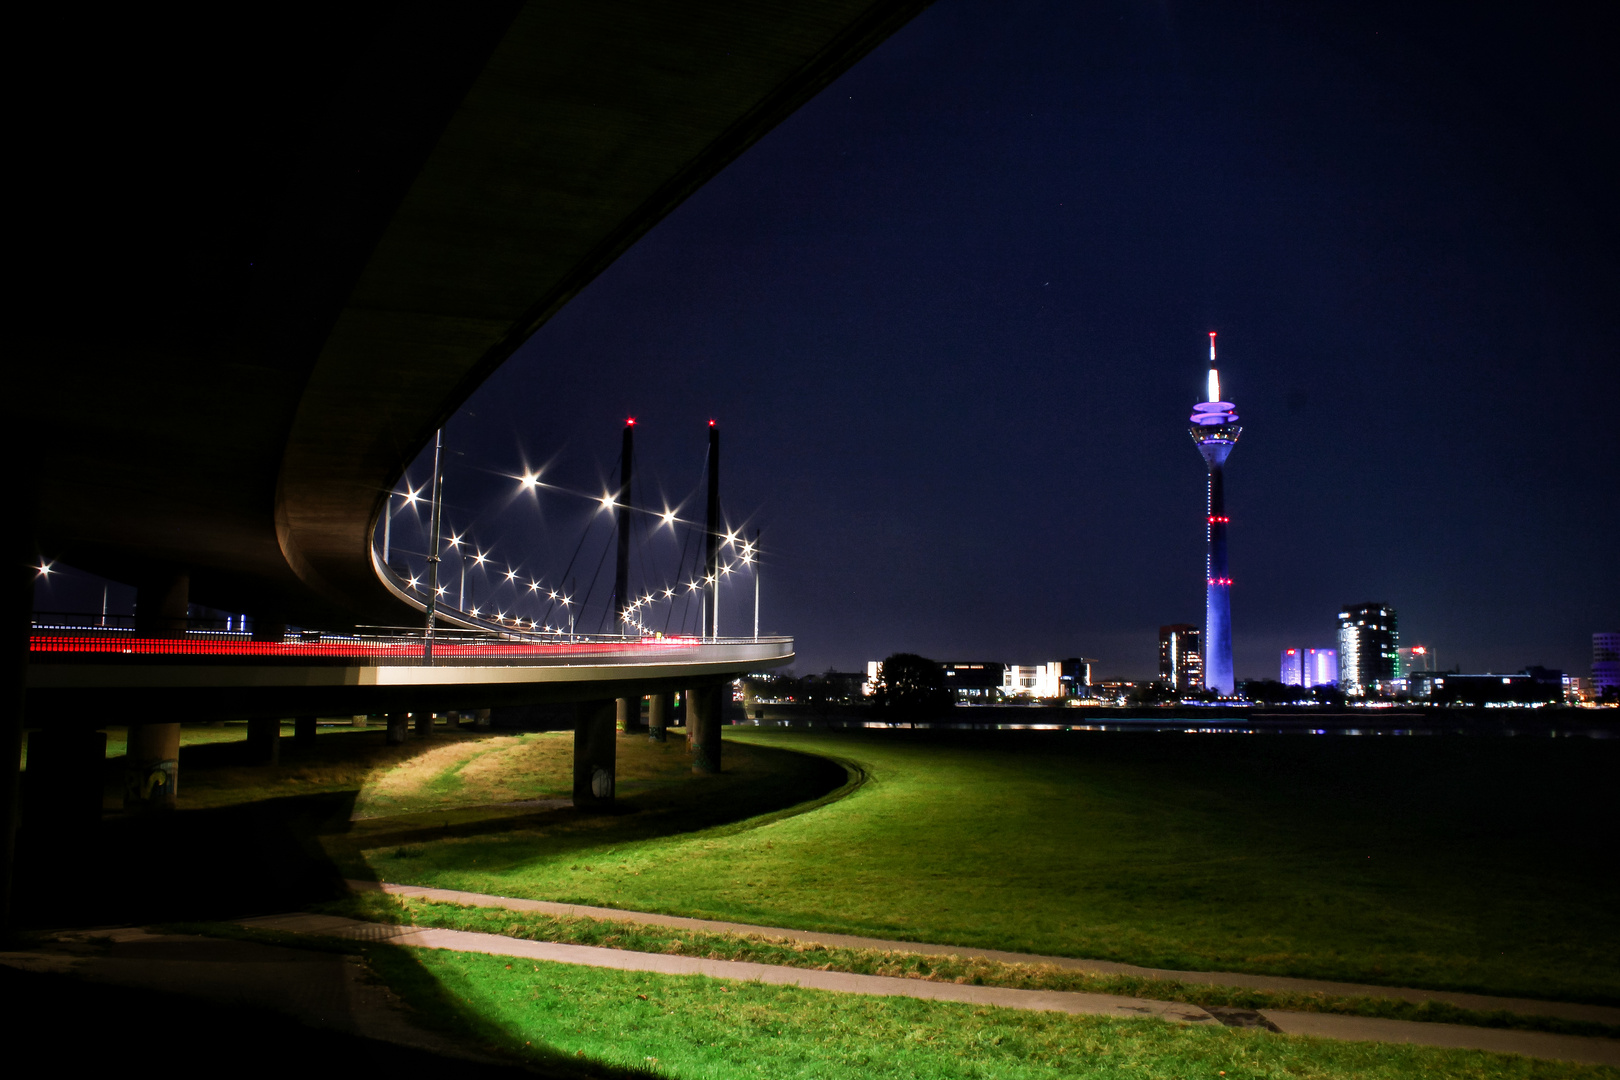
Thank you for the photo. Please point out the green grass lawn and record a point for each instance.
(691, 1026)
(978, 971)
(1477, 864)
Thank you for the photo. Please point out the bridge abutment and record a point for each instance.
(595, 746)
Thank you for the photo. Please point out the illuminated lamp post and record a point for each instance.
(1214, 429)
(433, 555)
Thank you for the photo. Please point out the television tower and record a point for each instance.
(1215, 429)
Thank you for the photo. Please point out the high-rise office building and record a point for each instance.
(1416, 658)
(1215, 431)
(1369, 643)
(1605, 665)
(1309, 667)
(1181, 657)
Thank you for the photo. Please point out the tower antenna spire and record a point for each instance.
(1214, 378)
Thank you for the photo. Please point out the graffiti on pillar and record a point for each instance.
(602, 784)
(152, 782)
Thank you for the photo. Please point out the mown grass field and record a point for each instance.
(691, 1026)
(1476, 864)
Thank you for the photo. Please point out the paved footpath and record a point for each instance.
(1600, 1014)
(1322, 1025)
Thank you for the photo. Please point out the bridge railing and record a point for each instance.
(375, 646)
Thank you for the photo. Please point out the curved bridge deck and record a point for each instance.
(205, 674)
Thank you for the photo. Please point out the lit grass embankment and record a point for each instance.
(1466, 864)
(579, 1022)
(691, 1026)
(978, 971)
(503, 801)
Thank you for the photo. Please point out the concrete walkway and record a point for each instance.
(1563, 1010)
(1528, 1043)
(626, 960)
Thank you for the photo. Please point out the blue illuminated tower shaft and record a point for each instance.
(1218, 674)
(1214, 429)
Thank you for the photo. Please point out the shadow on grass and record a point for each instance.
(197, 869)
(766, 784)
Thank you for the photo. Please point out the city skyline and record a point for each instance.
(944, 311)
(946, 385)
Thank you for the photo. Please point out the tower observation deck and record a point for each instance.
(1214, 428)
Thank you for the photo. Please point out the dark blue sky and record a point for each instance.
(951, 318)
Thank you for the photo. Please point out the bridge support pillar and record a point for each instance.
(161, 604)
(424, 724)
(659, 706)
(481, 718)
(62, 790)
(264, 740)
(703, 728)
(398, 725)
(595, 744)
(304, 732)
(629, 710)
(151, 767)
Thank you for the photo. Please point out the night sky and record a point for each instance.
(951, 318)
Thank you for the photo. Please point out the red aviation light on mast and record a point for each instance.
(629, 421)
(711, 423)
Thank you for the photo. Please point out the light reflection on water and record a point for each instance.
(1247, 726)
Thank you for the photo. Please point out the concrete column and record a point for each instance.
(689, 698)
(481, 718)
(360, 719)
(659, 706)
(706, 743)
(151, 767)
(20, 554)
(269, 628)
(424, 724)
(398, 724)
(264, 740)
(62, 789)
(595, 743)
(304, 732)
(161, 602)
(629, 710)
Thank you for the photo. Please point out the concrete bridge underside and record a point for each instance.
(269, 250)
(276, 251)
